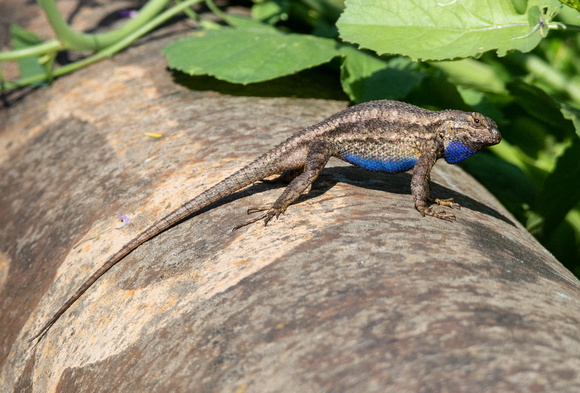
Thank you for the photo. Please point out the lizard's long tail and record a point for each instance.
(266, 165)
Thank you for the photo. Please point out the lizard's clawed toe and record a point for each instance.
(446, 202)
(253, 210)
(250, 221)
(441, 214)
(268, 214)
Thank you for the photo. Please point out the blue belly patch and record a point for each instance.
(382, 165)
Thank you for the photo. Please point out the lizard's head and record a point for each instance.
(464, 134)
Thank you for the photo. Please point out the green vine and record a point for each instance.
(104, 44)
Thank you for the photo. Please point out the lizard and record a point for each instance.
(386, 136)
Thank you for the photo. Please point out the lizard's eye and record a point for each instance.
(478, 120)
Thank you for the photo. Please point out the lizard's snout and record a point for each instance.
(496, 136)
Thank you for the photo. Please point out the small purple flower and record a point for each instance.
(126, 220)
(128, 13)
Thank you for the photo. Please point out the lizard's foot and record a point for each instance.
(445, 202)
(428, 211)
(268, 214)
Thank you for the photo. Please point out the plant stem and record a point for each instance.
(93, 42)
(36, 50)
(109, 51)
(189, 12)
(213, 8)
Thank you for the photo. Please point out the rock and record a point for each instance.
(350, 291)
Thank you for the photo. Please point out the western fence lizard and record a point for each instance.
(386, 136)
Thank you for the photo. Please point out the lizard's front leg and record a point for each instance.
(318, 155)
(420, 190)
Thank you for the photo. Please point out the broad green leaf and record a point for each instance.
(249, 55)
(22, 38)
(444, 29)
(365, 77)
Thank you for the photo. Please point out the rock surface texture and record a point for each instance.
(350, 291)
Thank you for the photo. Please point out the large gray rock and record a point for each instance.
(350, 291)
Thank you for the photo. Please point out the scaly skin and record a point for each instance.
(386, 136)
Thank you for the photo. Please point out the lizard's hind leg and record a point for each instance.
(318, 155)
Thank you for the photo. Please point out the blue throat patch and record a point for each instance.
(458, 151)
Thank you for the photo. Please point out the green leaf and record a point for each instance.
(537, 131)
(508, 182)
(248, 55)
(573, 114)
(480, 102)
(436, 92)
(559, 194)
(365, 77)
(270, 11)
(22, 38)
(564, 244)
(444, 29)
(572, 3)
(472, 73)
(541, 106)
(520, 6)
(242, 22)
